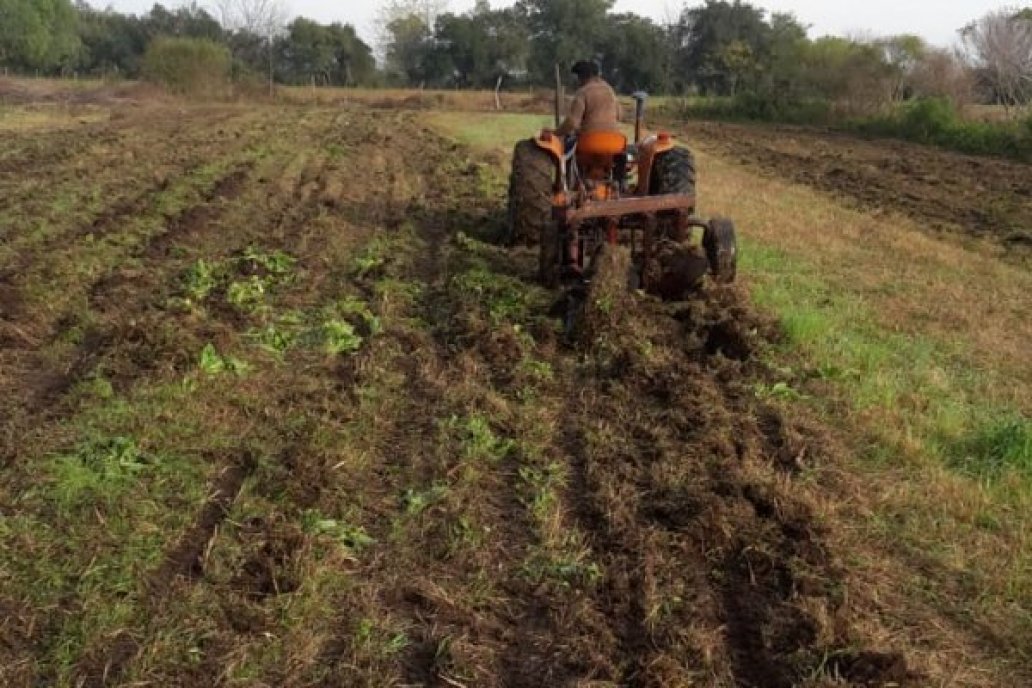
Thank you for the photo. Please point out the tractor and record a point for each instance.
(573, 197)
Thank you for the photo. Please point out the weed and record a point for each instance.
(212, 363)
(506, 299)
(417, 501)
(356, 307)
(537, 370)
(779, 390)
(363, 265)
(334, 151)
(276, 263)
(478, 440)
(541, 484)
(464, 534)
(567, 570)
(339, 337)
(200, 279)
(274, 339)
(97, 471)
(247, 295)
(384, 644)
(351, 537)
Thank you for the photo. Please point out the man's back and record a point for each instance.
(595, 108)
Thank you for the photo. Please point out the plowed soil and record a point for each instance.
(395, 471)
(950, 192)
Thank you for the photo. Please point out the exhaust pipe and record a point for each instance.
(639, 113)
(559, 96)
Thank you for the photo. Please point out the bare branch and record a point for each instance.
(1000, 48)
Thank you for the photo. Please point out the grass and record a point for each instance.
(933, 395)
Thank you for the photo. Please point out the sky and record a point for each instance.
(935, 20)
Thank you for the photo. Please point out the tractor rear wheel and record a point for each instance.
(673, 172)
(721, 249)
(530, 193)
(549, 255)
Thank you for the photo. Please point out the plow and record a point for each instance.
(577, 197)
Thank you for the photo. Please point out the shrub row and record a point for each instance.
(936, 122)
(930, 121)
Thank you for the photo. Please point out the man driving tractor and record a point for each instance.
(595, 106)
(595, 110)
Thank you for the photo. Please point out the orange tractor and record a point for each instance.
(573, 197)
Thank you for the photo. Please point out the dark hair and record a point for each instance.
(585, 69)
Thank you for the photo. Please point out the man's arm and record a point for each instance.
(573, 121)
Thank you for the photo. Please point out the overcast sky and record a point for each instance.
(936, 20)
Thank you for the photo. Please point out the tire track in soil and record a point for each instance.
(16, 325)
(264, 574)
(118, 149)
(185, 560)
(737, 543)
(43, 388)
(432, 363)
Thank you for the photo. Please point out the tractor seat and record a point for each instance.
(598, 152)
(601, 144)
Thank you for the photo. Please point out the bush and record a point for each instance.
(756, 107)
(935, 121)
(187, 65)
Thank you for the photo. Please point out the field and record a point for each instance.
(278, 409)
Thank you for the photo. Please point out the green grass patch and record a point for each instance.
(492, 131)
(924, 385)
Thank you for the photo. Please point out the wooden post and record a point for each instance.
(498, 88)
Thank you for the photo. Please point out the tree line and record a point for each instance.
(59, 38)
(713, 48)
(767, 63)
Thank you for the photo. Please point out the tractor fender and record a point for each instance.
(548, 141)
(648, 149)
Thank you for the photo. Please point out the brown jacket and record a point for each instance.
(595, 108)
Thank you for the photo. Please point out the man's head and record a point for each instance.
(586, 70)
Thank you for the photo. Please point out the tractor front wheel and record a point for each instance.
(530, 193)
(673, 172)
(721, 249)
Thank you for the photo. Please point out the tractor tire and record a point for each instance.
(530, 193)
(549, 255)
(673, 172)
(721, 248)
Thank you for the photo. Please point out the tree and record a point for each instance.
(903, 53)
(254, 22)
(851, 74)
(782, 78)
(406, 37)
(37, 34)
(332, 55)
(636, 54)
(187, 65)
(1000, 47)
(111, 42)
(721, 45)
(187, 21)
(264, 18)
(478, 48)
(943, 74)
(564, 31)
